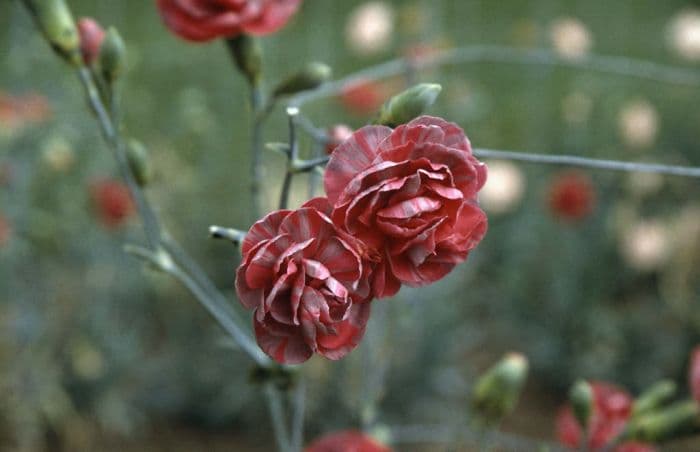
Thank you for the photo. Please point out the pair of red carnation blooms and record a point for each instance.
(400, 208)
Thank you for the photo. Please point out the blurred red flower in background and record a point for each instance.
(91, 37)
(346, 441)
(571, 196)
(612, 407)
(363, 97)
(204, 20)
(336, 135)
(112, 202)
(19, 110)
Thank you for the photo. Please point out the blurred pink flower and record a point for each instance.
(336, 135)
(363, 97)
(204, 20)
(91, 36)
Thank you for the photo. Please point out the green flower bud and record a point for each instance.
(55, 21)
(581, 397)
(409, 104)
(247, 54)
(497, 391)
(112, 55)
(139, 162)
(670, 423)
(654, 397)
(310, 77)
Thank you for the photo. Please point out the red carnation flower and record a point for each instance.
(112, 201)
(571, 196)
(5, 231)
(363, 97)
(306, 281)
(346, 441)
(694, 373)
(612, 407)
(91, 37)
(409, 194)
(336, 135)
(204, 20)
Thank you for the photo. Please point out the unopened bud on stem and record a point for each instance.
(247, 54)
(55, 21)
(497, 391)
(409, 104)
(310, 77)
(112, 55)
(581, 397)
(139, 162)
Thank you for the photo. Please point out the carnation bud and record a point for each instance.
(409, 104)
(497, 391)
(91, 37)
(581, 397)
(310, 77)
(670, 423)
(112, 55)
(654, 397)
(139, 162)
(55, 21)
(247, 55)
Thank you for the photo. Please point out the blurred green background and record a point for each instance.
(97, 351)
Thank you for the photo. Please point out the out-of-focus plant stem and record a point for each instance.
(293, 157)
(159, 251)
(256, 149)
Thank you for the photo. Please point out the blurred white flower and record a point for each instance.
(639, 124)
(370, 27)
(571, 38)
(646, 245)
(684, 34)
(644, 184)
(504, 187)
(576, 108)
(58, 154)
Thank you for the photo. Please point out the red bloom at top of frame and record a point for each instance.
(571, 196)
(307, 283)
(410, 195)
(91, 36)
(204, 20)
(612, 407)
(346, 441)
(112, 202)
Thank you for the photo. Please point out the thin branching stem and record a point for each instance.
(160, 249)
(256, 150)
(613, 65)
(275, 405)
(293, 158)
